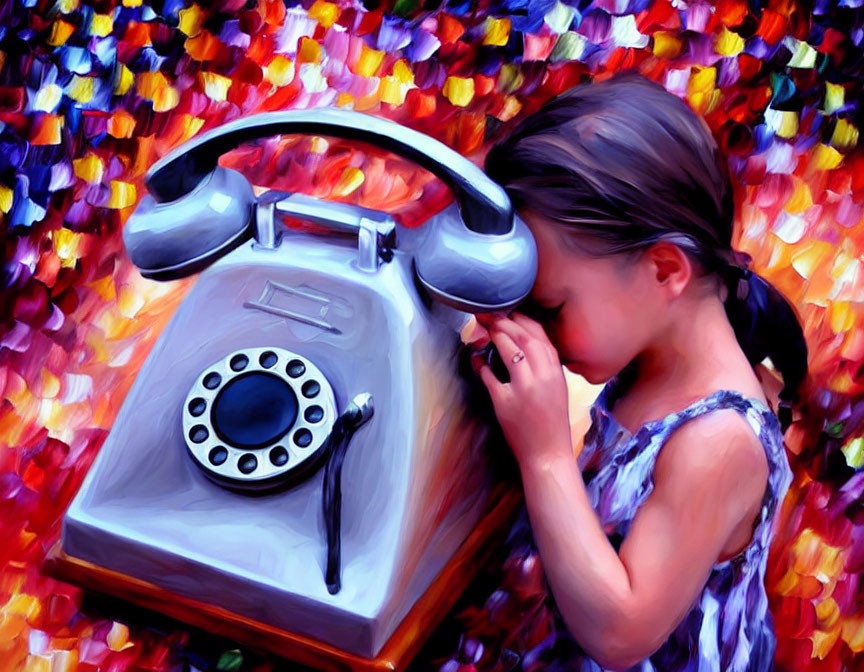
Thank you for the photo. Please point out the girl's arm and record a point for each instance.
(709, 476)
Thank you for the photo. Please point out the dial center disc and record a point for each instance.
(254, 410)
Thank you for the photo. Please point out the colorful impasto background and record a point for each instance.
(92, 93)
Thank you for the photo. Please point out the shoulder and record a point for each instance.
(711, 457)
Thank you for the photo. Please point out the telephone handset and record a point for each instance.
(478, 257)
(264, 417)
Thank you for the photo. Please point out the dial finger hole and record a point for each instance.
(199, 434)
(295, 368)
(218, 455)
(314, 414)
(311, 388)
(197, 406)
(303, 437)
(247, 463)
(279, 456)
(268, 359)
(212, 380)
(239, 362)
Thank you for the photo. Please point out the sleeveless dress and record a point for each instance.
(729, 627)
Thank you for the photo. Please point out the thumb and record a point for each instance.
(498, 391)
(475, 333)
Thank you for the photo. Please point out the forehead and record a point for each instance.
(562, 247)
(558, 239)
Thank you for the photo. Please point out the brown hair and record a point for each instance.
(625, 164)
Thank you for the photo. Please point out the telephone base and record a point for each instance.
(396, 653)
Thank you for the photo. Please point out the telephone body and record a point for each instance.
(214, 481)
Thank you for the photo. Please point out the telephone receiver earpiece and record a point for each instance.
(476, 255)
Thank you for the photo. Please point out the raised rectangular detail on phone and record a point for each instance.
(301, 303)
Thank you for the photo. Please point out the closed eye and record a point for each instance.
(540, 313)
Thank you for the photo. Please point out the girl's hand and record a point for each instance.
(533, 408)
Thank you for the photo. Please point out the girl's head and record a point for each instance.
(618, 180)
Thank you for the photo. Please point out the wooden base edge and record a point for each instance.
(396, 653)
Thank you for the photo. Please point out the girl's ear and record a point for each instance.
(669, 266)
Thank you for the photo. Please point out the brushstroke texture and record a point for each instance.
(91, 95)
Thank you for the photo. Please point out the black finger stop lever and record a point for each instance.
(358, 412)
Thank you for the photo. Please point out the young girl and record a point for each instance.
(654, 541)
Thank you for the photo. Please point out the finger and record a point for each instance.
(481, 342)
(475, 333)
(539, 349)
(489, 318)
(507, 349)
(539, 336)
(531, 326)
(515, 331)
(490, 380)
(499, 392)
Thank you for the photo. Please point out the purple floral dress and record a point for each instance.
(729, 627)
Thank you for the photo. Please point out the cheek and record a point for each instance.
(593, 336)
(573, 335)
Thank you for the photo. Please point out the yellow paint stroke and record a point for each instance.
(497, 32)
(459, 90)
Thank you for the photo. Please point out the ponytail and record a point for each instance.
(766, 325)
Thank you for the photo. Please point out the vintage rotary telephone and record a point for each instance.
(273, 365)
